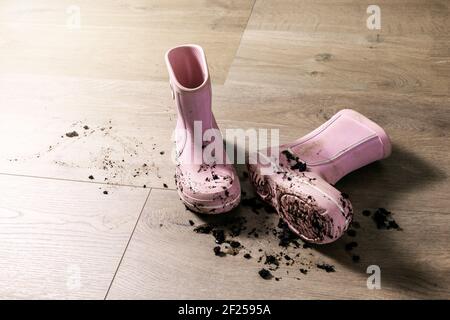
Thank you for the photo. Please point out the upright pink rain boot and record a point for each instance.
(204, 187)
(300, 184)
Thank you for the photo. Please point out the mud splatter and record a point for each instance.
(326, 267)
(383, 219)
(72, 134)
(265, 274)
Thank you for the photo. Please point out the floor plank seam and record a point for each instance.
(128, 243)
(174, 189)
(240, 41)
(81, 181)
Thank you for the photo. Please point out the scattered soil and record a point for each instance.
(218, 252)
(228, 232)
(72, 134)
(351, 233)
(219, 235)
(205, 228)
(326, 267)
(384, 220)
(292, 250)
(366, 213)
(294, 162)
(351, 245)
(265, 274)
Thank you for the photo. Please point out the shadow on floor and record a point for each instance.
(381, 184)
(377, 185)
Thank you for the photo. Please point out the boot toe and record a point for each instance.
(209, 190)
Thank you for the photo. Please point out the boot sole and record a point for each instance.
(301, 213)
(205, 209)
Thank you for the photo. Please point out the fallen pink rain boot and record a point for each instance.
(301, 188)
(204, 187)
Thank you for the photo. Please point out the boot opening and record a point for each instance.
(188, 65)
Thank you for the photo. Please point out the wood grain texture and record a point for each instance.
(117, 40)
(167, 260)
(129, 125)
(60, 239)
(323, 46)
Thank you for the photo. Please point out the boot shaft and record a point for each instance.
(344, 143)
(191, 86)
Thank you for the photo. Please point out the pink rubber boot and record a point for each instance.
(299, 184)
(204, 186)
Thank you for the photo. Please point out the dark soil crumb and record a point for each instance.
(144, 186)
(351, 245)
(91, 177)
(265, 274)
(72, 134)
(383, 219)
(204, 228)
(307, 245)
(366, 213)
(291, 254)
(270, 259)
(294, 161)
(105, 192)
(286, 236)
(161, 153)
(355, 258)
(86, 127)
(218, 252)
(219, 235)
(326, 267)
(165, 185)
(235, 244)
(300, 166)
(191, 222)
(351, 233)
